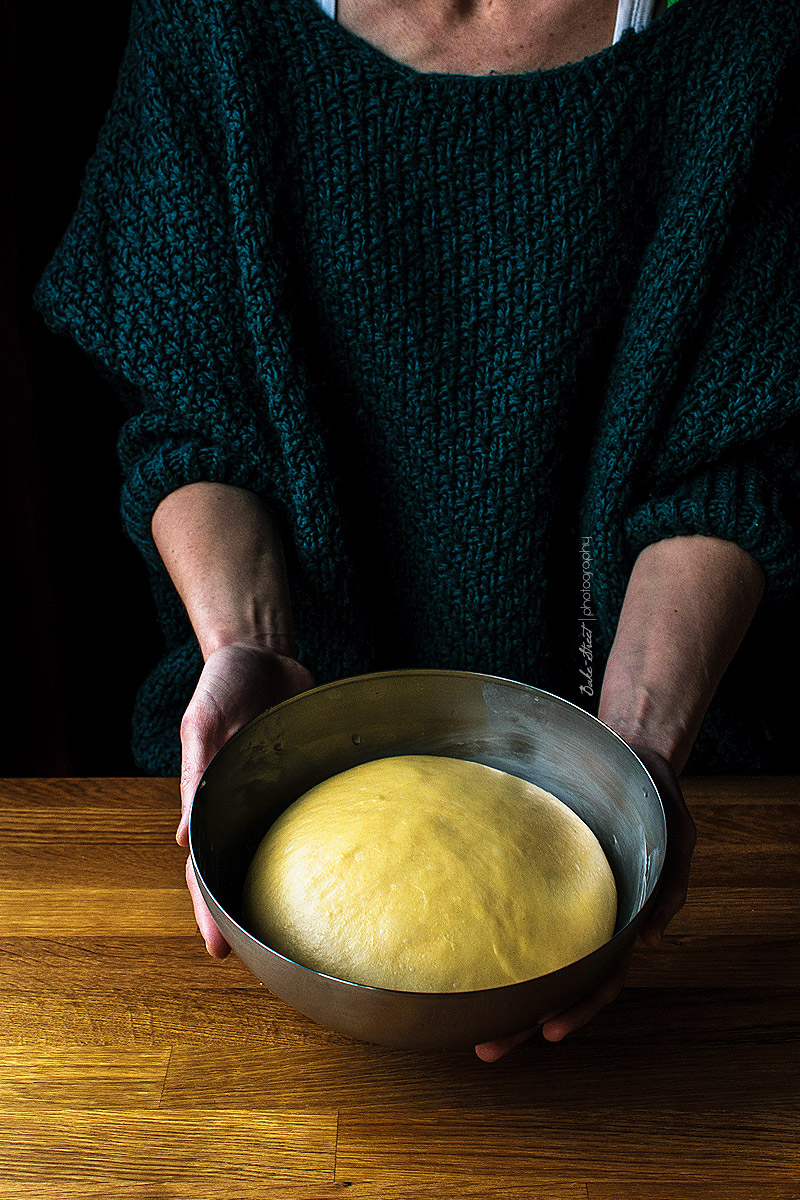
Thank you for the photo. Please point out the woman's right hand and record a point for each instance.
(238, 681)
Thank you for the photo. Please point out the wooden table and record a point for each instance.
(134, 1065)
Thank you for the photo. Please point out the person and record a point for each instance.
(429, 365)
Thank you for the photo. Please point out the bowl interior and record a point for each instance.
(499, 722)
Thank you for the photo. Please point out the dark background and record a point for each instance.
(79, 625)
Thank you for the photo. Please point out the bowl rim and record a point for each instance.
(349, 679)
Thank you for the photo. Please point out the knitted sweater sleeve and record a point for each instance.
(726, 462)
(750, 497)
(147, 281)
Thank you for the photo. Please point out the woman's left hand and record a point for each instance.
(681, 838)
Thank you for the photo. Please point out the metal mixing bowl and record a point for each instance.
(517, 728)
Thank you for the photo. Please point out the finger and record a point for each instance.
(652, 931)
(201, 735)
(215, 943)
(182, 833)
(674, 887)
(676, 884)
(681, 840)
(556, 1028)
(491, 1051)
(192, 767)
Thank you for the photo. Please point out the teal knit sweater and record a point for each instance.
(477, 340)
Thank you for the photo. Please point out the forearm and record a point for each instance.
(222, 549)
(688, 604)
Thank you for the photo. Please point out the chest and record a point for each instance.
(490, 36)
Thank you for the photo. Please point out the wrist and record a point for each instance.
(664, 715)
(264, 629)
(687, 606)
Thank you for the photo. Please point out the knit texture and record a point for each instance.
(454, 330)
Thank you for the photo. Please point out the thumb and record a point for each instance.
(197, 751)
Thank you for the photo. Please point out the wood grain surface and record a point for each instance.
(134, 1065)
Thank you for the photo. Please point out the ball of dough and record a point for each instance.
(430, 874)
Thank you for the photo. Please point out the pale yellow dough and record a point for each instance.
(430, 874)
